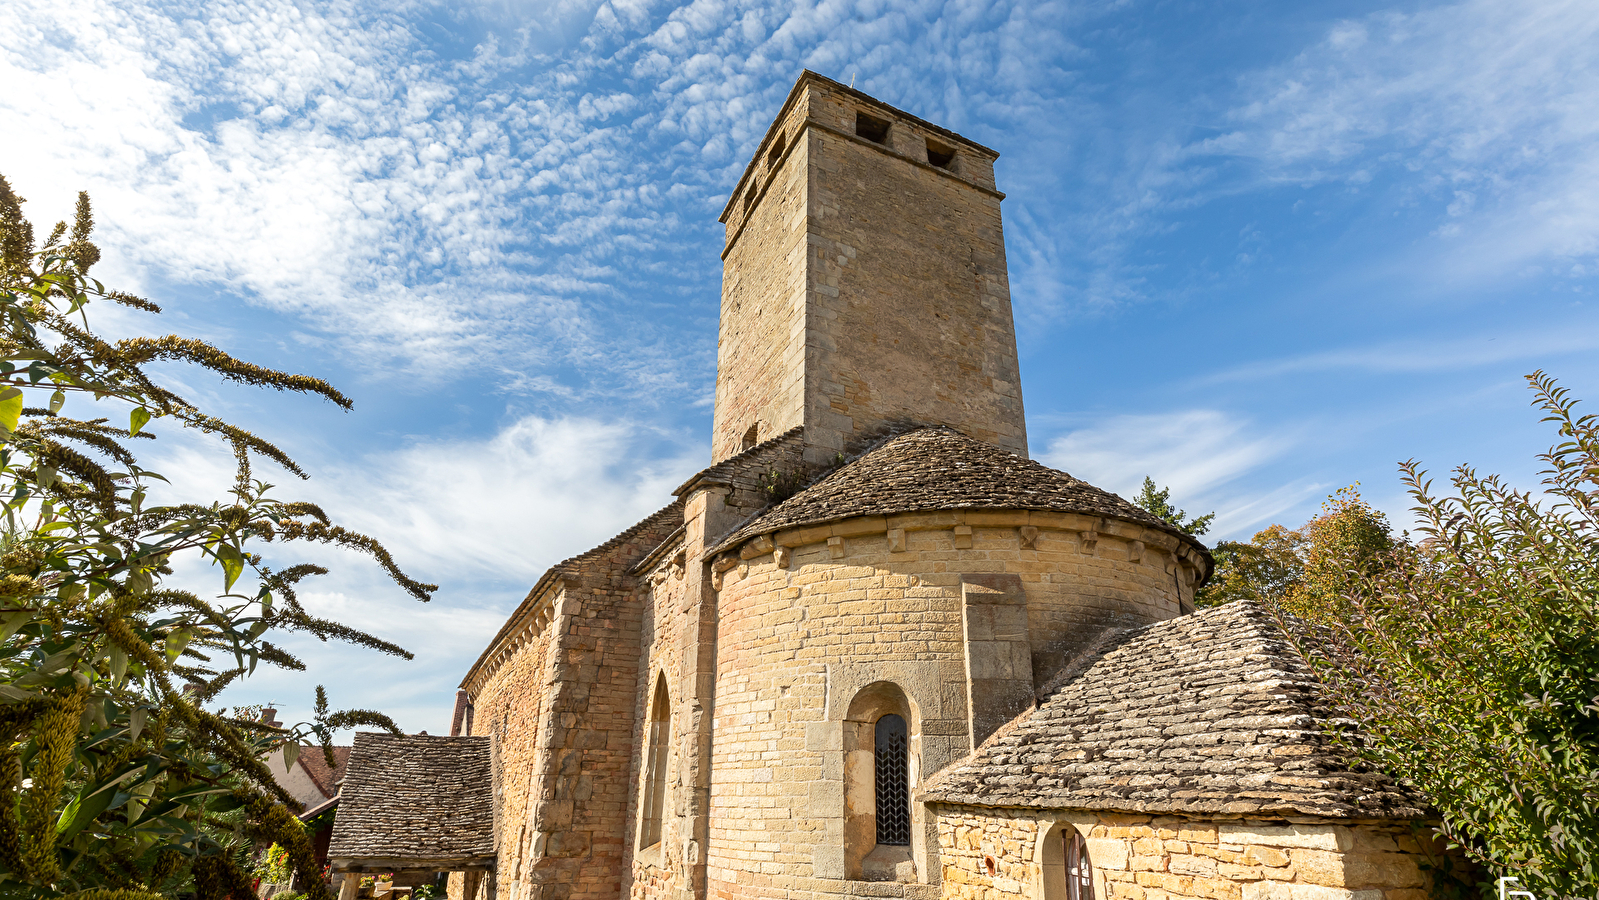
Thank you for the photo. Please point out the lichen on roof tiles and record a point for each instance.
(1206, 713)
(416, 796)
(942, 469)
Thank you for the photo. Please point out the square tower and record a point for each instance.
(863, 282)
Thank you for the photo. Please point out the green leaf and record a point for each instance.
(138, 419)
(136, 717)
(176, 641)
(232, 564)
(119, 665)
(82, 810)
(291, 754)
(10, 622)
(10, 408)
(57, 400)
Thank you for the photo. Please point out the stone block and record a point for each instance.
(1313, 837)
(1108, 853)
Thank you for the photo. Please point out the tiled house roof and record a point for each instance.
(316, 765)
(416, 799)
(1206, 713)
(941, 469)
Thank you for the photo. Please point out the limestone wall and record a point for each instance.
(658, 870)
(557, 689)
(909, 316)
(989, 854)
(760, 351)
(864, 283)
(827, 615)
(510, 707)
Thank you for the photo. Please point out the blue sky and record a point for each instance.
(1257, 250)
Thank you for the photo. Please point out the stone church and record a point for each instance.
(874, 649)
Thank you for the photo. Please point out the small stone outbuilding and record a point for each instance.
(1185, 759)
(415, 805)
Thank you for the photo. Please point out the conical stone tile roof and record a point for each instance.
(1206, 713)
(941, 469)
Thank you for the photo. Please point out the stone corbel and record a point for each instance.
(719, 569)
(1090, 540)
(760, 546)
(1135, 551)
(896, 540)
(835, 547)
(1029, 534)
(963, 537)
(781, 556)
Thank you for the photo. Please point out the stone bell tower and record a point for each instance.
(864, 283)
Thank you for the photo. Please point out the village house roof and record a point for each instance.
(1206, 713)
(942, 469)
(326, 777)
(415, 801)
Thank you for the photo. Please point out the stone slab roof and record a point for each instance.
(1206, 713)
(941, 469)
(416, 798)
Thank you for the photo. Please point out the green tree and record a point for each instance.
(124, 786)
(1158, 502)
(1304, 569)
(1267, 568)
(1349, 539)
(1471, 659)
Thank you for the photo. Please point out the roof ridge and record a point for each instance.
(738, 457)
(514, 619)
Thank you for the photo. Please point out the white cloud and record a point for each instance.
(1424, 355)
(1198, 454)
(482, 518)
(1484, 108)
(1191, 452)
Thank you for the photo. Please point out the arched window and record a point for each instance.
(881, 825)
(892, 763)
(1079, 872)
(649, 833)
(1068, 872)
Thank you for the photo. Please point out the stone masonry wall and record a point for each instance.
(810, 619)
(989, 854)
(908, 312)
(864, 286)
(760, 352)
(658, 871)
(509, 708)
(560, 694)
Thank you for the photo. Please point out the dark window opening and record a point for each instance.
(939, 155)
(776, 153)
(893, 781)
(871, 127)
(1079, 872)
(655, 775)
(749, 198)
(751, 437)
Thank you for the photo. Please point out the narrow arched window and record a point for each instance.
(893, 781)
(1079, 873)
(654, 804)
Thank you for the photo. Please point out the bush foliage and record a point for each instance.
(123, 785)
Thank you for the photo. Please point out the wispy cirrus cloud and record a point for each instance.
(1422, 355)
(1481, 110)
